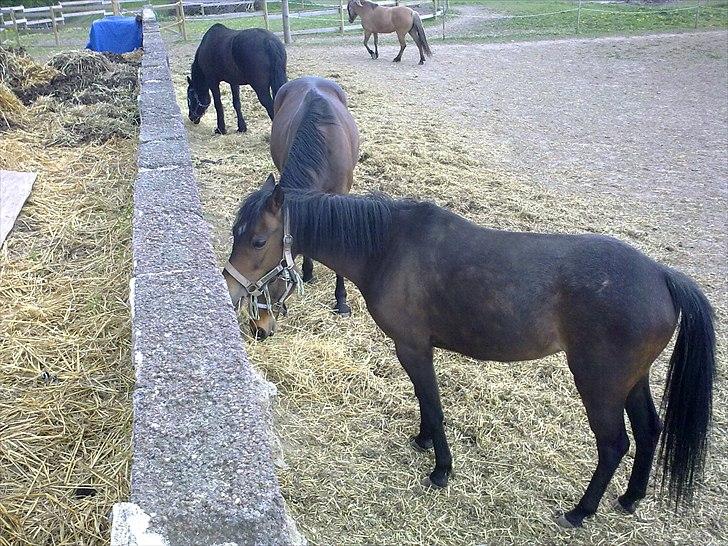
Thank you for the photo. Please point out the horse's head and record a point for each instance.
(198, 101)
(260, 267)
(351, 7)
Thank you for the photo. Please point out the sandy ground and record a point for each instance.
(625, 136)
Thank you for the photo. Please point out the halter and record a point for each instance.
(286, 270)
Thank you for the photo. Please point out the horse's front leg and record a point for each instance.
(307, 269)
(342, 308)
(376, 45)
(215, 88)
(402, 45)
(236, 104)
(367, 34)
(416, 359)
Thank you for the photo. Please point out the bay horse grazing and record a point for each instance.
(399, 19)
(314, 143)
(253, 57)
(430, 278)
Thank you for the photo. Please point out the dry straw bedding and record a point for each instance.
(520, 439)
(65, 368)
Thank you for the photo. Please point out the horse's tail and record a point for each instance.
(688, 400)
(277, 56)
(417, 25)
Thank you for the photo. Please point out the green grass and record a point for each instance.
(634, 19)
(622, 19)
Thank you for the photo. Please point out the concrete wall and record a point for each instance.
(202, 470)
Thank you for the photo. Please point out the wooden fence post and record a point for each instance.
(697, 14)
(265, 14)
(445, 9)
(341, 17)
(15, 25)
(115, 7)
(578, 18)
(286, 22)
(52, 10)
(182, 25)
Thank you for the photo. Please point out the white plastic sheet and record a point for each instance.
(14, 191)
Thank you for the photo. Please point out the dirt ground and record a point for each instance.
(625, 137)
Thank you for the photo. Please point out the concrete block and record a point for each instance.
(203, 456)
(164, 153)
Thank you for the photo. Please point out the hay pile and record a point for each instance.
(77, 97)
(521, 443)
(65, 368)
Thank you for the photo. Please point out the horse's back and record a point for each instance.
(292, 103)
(239, 56)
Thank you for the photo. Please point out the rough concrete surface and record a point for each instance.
(203, 463)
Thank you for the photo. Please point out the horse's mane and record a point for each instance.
(307, 156)
(353, 224)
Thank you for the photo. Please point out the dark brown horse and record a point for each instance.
(432, 279)
(253, 57)
(314, 143)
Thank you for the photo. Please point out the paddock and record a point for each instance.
(620, 136)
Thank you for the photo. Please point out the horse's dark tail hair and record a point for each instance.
(417, 25)
(688, 400)
(277, 56)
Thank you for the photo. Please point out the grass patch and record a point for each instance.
(560, 19)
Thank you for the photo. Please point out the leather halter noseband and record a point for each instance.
(286, 270)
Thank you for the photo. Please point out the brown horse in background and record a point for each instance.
(314, 143)
(399, 19)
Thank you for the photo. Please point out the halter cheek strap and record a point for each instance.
(285, 270)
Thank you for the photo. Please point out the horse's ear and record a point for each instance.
(357, 2)
(189, 80)
(269, 182)
(275, 201)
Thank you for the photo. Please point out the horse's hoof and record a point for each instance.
(626, 509)
(242, 129)
(219, 131)
(418, 448)
(427, 483)
(421, 62)
(309, 280)
(562, 521)
(343, 310)
(396, 60)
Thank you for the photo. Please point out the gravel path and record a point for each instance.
(641, 118)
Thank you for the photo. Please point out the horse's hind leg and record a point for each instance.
(646, 428)
(604, 401)
(236, 104)
(418, 43)
(376, 45)
(417, 362)
(342, 308)
(402, 44)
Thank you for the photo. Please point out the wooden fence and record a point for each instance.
(19, 19)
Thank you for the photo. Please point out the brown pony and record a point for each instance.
(314, 143)
(399, 19)
(432, 279)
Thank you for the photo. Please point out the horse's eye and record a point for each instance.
(259, 242)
